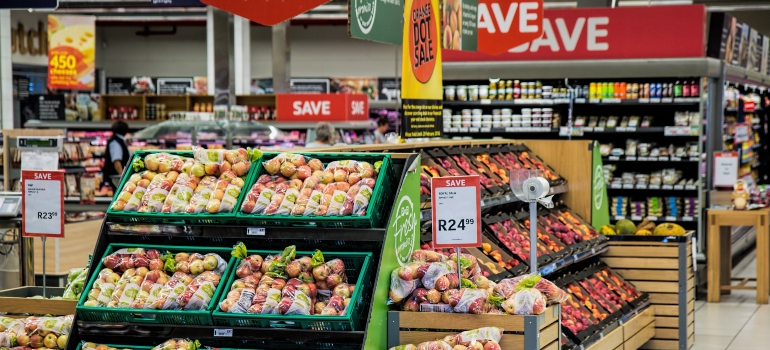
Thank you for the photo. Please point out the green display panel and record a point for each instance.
(402, 239)
(600, 210)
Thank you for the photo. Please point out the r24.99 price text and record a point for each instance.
(452, 225)
(47, 215)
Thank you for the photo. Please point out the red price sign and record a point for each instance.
(42, 203)
(456, 211)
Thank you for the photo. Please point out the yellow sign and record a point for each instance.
(421, 87)
(72, 52)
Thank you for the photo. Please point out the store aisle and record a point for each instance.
(737, 323)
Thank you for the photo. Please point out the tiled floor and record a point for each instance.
(737, 323)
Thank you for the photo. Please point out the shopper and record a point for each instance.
(324, 135)
(382, 127)
(116, 155)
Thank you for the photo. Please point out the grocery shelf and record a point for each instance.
(636, 102)
(655, 218)
(652, 187)
(84, 125)
(507, 103)
(543, 130)
(650, 159)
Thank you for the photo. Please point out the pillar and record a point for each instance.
(220, 55)
(242, 55)
(281, 57)
(6, 71)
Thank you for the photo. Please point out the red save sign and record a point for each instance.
(266, 12)
(456, 211)
(504, 24)
(42, 203)
(322, 107)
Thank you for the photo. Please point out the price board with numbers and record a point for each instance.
(42, 203)
(456, 211)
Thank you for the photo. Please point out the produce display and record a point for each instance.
(139, 278)
(430, 283)
(171, 344)
(516, 238)
(209, 182)
(299, 185)
(486, 338)
(35, 332)
(286, 285)
(76, 280)
(644, 228)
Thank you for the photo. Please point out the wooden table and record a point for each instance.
(719, 258)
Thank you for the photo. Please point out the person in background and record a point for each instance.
(117, 154)
(324, 135)
(382, 127)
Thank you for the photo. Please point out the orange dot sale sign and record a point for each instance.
(71, 52)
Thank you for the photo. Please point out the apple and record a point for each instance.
(142, 271)
(23, 339)
(125, 195)
(211, 169)
(163, 279)
(238, 182)
(148, 175)
(241, 168)
(248, 206)
(50, 341)
(36, 341)
(143, 183)
(315, 164)
(137, 280)
(196, 267)
(112, 278)
(226, 166)
(198, 170)
(210, 263)
(119, 204)
(227, 176)
(179, 257)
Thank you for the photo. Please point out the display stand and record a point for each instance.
(532, 332)
(720, 262)
(18, 301)
(630, 335)
(662, 267)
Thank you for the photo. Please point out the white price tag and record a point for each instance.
(456, 211)
(43, 203)
(255, 231)
(223, 332)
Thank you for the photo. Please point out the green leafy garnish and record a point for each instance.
(528, 282)
(496, 301)
(317, 259)
(239, 251)
(466, 283)
(138, 164)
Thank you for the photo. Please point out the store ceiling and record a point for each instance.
(753, 12)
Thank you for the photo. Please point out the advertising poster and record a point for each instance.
(355, 85)
(765, 52)
(740, 47)
(459, 24)
(388, 89)
(71, 53)
(755, 50)
(376, 20)
(421, 89)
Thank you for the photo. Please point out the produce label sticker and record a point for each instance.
(456, 211)
(72, 52)
(42, 203)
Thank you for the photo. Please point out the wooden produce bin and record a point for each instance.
(17, 301)
(631, 335)
(661, 266)
(535, 332)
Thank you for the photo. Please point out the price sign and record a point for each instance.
(42, 203)
(725, 169)
(456, 211)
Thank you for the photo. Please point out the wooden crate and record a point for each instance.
(537, 332)
(631, 335)
(664, 270)
(17, 301)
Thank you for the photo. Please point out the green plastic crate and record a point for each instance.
(177, 218)
(357, 270)
(375, 213)
(120, 347)
(181, 317)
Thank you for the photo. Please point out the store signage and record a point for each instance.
(119, 86)
(721, 35)
(742, 133)
(504, 24)
(755, 51)
(725, 169)
(459, 24)
(388, 89)
(309, 86)
(376, 20)
(322, 107)
(456, 211)
(29, 4)
(71, 56)
(600, 212)
(174, 86)
(421, 89)
(48, 107)
(606, 33)
(749, 105)
(33, 42)
(266, 12)
(42, 203)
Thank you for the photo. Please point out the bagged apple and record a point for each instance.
(526, 300)
(179, 344)
(441, 275)
(93, 346)
(467, 300)
(45, 332)
(163, 162)
(10, 329)
(305, 192)
(153, 281)
(277, 198)
(287, 164)
(180, 195)
(202, 194)
(482, 335)
(127, 192)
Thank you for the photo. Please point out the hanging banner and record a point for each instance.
(42, 203)
(504, 24)
(266, 12)
(322, 107)
(459, 24)
(421, 87)
(29, 4)
(601, 33)
(72, 52)
(376, 20)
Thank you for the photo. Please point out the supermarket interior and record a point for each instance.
(324, 174)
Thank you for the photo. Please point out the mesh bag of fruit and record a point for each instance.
(526, 300)
(179, 344)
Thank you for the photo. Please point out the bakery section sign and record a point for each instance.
(71, 53)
